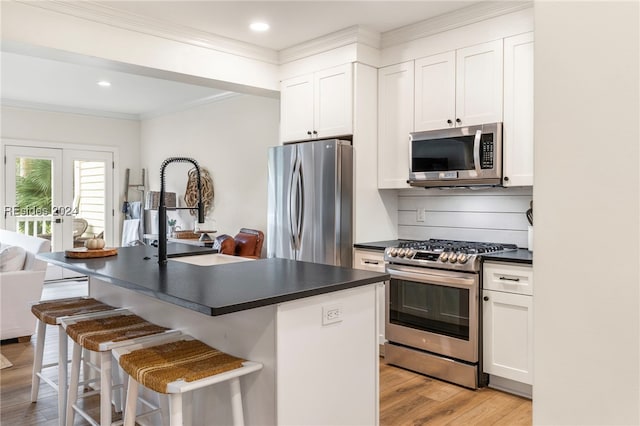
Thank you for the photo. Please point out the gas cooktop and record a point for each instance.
(443, 254)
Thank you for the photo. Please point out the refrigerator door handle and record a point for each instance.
(292, 205)
(300, 221)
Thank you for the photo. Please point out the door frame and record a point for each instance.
(31, 143)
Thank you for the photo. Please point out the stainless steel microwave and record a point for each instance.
(461, 156)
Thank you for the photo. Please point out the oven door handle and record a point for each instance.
(429, 278)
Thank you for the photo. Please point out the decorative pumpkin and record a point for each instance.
(94, 243)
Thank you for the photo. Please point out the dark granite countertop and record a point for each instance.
(218, 289)
(378, 245)
(519, 256)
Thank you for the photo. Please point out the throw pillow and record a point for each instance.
(12, 258)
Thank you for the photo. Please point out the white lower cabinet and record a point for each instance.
(508, 327)
(373, 260)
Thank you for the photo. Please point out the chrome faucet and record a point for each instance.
(162, 208)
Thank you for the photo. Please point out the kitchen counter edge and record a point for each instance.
(319, 279)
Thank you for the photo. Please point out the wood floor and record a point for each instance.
(406, 398)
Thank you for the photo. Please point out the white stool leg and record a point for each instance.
(187, 408)
(119, 393)
(105, 388)
(37, 361)
(163, 404)
(175, 409)
(62, 374)
(131, 404)
(236, 402)
(86, 371)
(73, 383)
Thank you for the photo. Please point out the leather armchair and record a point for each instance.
(247, 243)
(225, 244)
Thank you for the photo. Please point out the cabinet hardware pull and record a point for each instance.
(458, 120)
(486, 298)
(509, 279)
(309, 133)
(371, 262)
(506, 178)
(315, 132)
(449, 121)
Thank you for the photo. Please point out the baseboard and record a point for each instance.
(510, 386)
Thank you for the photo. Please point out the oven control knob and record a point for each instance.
(410, 253)
(401, 252)
(393, 252)
(444, 257)
(462, 258)
(453, 258)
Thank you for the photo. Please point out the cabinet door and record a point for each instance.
(296, 108)
(333, 101)
(508, 335)
(435, 92)
(374, 261)
(395, 122)
(479, 84)
(518, 110)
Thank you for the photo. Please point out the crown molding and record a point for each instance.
(189, 105)
(14, 103)
(97, 12)
(350, 35)
(448, 21)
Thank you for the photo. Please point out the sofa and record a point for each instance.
(21, 280)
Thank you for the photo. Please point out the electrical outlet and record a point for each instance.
(420, 214)
(331, 314)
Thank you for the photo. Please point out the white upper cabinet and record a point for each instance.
(296, 107)
(317, 105)
(460, 88)
(435, 105)
(518, 110)
(395, 122)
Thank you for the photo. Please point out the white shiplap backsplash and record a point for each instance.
(491, 214)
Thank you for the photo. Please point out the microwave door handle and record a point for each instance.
(476, 150)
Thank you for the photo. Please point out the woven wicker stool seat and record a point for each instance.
(179, 365)
(50, 313)
(102, 333)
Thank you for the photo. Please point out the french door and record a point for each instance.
(64, 195)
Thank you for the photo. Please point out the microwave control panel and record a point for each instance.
(486, 158)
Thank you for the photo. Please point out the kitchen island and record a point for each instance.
(312, 326)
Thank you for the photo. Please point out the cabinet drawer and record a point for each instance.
(369, 260)
(508, 277)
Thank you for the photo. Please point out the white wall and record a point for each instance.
(493, 215)
(63, 128)
(586, 192)
(229, 138)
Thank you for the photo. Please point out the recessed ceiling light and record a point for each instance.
(104, 83)
(259, 26)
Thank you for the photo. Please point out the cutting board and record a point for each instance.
(85, 253)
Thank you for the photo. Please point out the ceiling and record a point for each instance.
(51, 84)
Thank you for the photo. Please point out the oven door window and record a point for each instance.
(429, 307)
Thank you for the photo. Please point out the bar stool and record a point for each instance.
(176, 367)
(50, 313)
(100, 334)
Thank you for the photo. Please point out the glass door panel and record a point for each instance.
(34, 193)
(90, 173)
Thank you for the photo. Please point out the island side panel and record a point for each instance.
(327, 374)
(249, 334)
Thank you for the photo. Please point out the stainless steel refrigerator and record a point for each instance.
(310, 202)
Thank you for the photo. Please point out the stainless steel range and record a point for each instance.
(433, 307)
